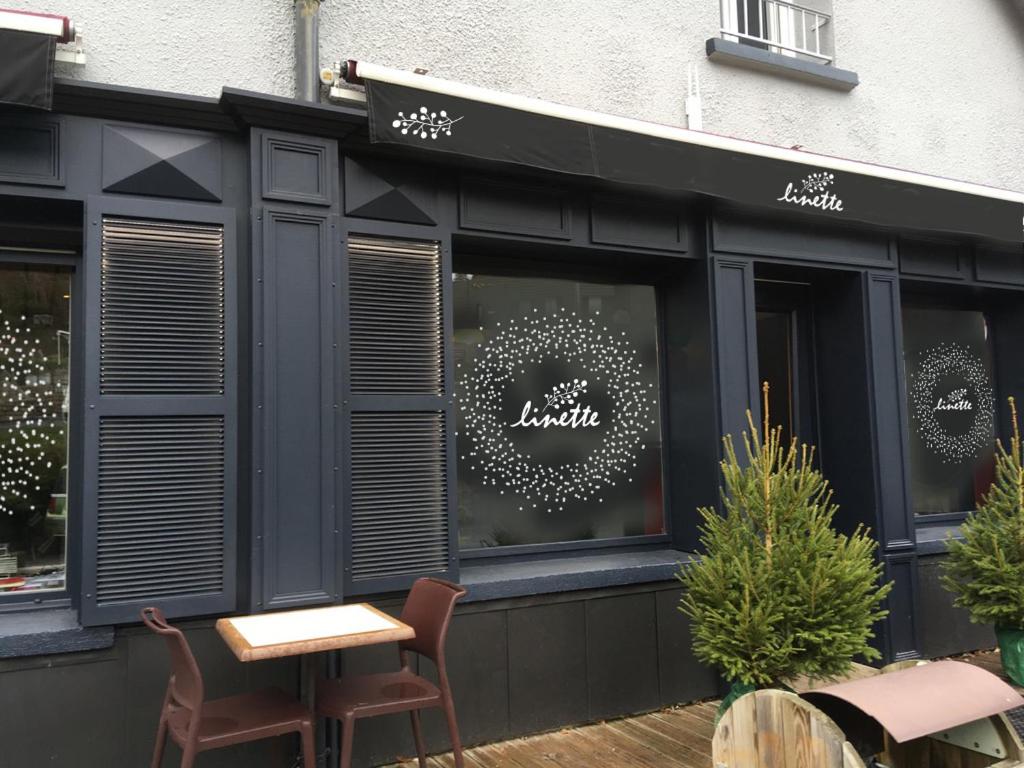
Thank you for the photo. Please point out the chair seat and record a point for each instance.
(367, 695)
(248, 716)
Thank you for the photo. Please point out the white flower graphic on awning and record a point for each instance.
(425, 123)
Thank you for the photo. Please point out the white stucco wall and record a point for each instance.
(942, 81)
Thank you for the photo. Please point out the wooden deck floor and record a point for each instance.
(678, 737)
(671, 738)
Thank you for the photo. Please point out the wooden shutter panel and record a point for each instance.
(399, 505)
(162, 308)
(158, 501)
(395, 304)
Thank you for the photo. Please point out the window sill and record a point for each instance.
(48, 631)
(496, 581)
(730, 52)
(931, 539)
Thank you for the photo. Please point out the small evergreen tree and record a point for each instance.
(780, 593)
(986, 569)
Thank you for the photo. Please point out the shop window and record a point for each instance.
(35, 334)
(951, 406)
(559, 411)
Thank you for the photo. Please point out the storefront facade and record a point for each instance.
(275, 359)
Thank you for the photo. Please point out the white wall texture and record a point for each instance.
(942, 81)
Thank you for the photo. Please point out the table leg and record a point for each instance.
(308, 673)
(309, 664)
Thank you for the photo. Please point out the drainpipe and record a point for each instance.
(307, 50)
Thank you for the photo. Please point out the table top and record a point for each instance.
(309, 630)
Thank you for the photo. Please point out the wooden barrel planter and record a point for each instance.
(942, 715)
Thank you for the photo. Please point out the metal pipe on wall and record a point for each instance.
(307, 50)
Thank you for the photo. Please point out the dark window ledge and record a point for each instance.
(48, 631)
(496, 581)
(931, 539)
(730, 52)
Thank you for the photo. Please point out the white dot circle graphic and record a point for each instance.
(582, 343)
(937, 364)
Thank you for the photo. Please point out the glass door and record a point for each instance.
(785, 356)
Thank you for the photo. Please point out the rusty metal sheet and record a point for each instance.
(922, 700)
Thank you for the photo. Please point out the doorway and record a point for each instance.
(785, 355)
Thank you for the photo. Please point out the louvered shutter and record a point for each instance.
(399, 415)
(158, 503)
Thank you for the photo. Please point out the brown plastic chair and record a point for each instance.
(196, 725)
(428, 610)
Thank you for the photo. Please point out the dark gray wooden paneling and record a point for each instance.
(295, 408)
(87, 700)
(638, 223)
(478, 672)
(933, 258)
(514, 208)
(945, 630)
(736, 344)
(786, 238)
(896, 525)
(30, 151)
(690, 401)
(999, 266)
(375, 189)
(900, 627)
(622, 655)
(844, 401)
(162, 163)
(298, 169)
(681, 677)
(547, 660)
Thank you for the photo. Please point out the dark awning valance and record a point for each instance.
(443, 116)
(26, 68)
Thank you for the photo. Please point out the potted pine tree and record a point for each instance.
(778, 592)
(985, 570)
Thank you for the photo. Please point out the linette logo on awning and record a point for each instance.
(813, 192)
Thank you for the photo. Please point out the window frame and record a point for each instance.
(917, 297)
(480, 263)
(67, 596)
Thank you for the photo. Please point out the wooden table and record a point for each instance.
(308, 631)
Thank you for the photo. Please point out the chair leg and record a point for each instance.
(188, 757)
(348, 727)
(417, 735)
(161, 741)
(453, 728)
(308, 750)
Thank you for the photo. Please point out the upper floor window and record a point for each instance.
(790, 29)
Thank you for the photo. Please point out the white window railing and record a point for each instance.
(778, 26)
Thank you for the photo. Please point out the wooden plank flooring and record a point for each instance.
(679, 737)
(671, 738)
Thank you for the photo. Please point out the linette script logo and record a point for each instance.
(813, 192)
(954, 401)
(564, 395)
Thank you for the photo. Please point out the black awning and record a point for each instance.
(26, 68)
(674, 159)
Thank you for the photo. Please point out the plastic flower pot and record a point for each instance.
(1011, 650)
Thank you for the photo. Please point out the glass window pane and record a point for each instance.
(559, 423)
(951, 403)
(35, 336)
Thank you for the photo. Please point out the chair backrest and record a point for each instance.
(428, 610)
(186, 682)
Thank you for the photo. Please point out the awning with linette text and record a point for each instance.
(442, 116)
